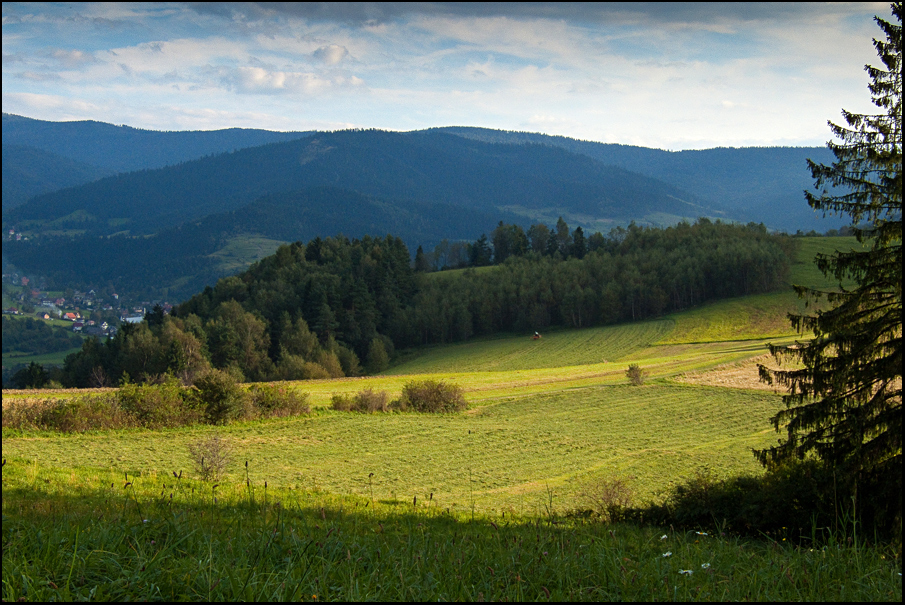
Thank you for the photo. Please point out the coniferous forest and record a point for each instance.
(339, 307)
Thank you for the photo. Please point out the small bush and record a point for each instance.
(162, 405)
(635, 374)
(431, 396)
(272, 401)
(342, 403)
(211, 456)
(372, 401)
(221, 397)
(609, 498)
(367, 401)
(71, 415)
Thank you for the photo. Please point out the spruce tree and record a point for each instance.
(845, 403)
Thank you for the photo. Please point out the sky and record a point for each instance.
(664, 75)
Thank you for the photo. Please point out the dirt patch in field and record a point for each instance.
(738, 375)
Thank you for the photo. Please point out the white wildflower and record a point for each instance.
(663, 537)
(668, 553)
(685, 572)
(701, 533)
(705, 566)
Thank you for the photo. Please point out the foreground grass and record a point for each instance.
(75, 534)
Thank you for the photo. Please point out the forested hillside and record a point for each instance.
(29, 171)
(126, 149)
(34, 336)
(760, 184)
(336, 306)
(165, 232)
(420, 167)
(179, 261)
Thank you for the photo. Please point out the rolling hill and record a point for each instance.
(181, 204)
(760, 184)
(126, 149)
(395, 167)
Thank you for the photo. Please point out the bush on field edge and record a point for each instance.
(367, 401)
(426, 396)
(216, 398)
(431, 396)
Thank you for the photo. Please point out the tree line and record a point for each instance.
(554, 277)
(339, 307)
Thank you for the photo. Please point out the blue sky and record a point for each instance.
(667, 75)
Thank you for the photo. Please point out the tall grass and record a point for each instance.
(84, 535)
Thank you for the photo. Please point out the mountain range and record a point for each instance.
(93, 192)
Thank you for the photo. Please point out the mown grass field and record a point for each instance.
(341, 505)
(545, 414)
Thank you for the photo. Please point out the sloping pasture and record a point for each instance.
(558, 349)
(509, 453)
(546, 417)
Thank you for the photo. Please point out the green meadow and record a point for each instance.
(467, 506)
(546, 417)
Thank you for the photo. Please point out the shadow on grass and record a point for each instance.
(90, 535)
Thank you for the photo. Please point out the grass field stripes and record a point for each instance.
(554, 350)
(502, 455)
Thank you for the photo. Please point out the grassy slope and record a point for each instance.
(547, 418)
(510, 381)
(502, 454)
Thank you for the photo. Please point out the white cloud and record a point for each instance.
(257, 80)
(331, 55)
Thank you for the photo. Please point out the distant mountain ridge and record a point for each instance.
(759, 184)
(422, 167)
(126, 149)
(29, 171)
(176, 203)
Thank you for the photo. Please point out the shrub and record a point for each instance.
(71, 415)
(609, 498)
(221, 397)
(371, 401)
(788, 499)
(342, 403)
(635, 374)
(159, 405)
(211, 456)
(431, 396)
(272, 401)
(367, 401)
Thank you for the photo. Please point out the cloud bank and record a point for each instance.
(669, 75)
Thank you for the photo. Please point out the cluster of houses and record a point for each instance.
(14, 236)
(70, 310)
